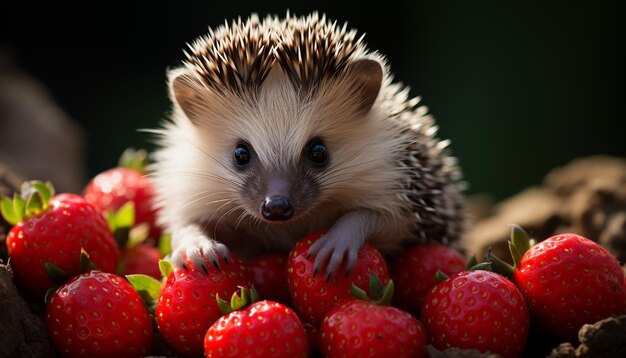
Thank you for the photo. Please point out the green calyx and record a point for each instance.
(472, 265)
(134, 159)
(166, 268)
(59, 276)
(379, 294)
(122, 225)
(34, 200)
(519, 243)
(245, 298)
(148, 287)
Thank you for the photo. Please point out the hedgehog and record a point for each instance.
(283, 127)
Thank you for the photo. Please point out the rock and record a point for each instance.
(22, 334)
(587, 197)
(535, 209)
(590, 171)
(605, 338)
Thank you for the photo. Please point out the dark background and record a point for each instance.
(519, 88)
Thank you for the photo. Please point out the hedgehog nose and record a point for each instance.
(277, 209)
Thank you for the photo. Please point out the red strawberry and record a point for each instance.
(98, 314)
(187, 306)
(142, 259)
(113, 188)
(312, 295)
(269, 275)
(54, 232)
(367, 326)
(569, 280)
(476, 310)
(414, 273)
(263, 329)
(360, 328)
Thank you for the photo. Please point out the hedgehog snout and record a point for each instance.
(277, 209)
(277, 206)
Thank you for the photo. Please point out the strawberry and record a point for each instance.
(141, 259)
(414, 273)
(476, 310)
(98, 314)
(187, 306)
(269, 275)
(313, 295)
(111, 189)
(263, 329)
(567, 281)
(369, 327)
(50, 231)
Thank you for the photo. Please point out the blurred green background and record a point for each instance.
(518, 88)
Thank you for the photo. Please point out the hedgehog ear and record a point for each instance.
(185, 89)
(367, 76)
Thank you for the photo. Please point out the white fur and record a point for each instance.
(194, 165)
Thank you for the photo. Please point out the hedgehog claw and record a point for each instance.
(335, 251)
(198, 250)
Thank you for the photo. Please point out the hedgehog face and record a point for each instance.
(283, 146)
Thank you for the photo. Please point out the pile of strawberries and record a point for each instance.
(94, 260)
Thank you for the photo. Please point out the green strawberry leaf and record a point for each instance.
(165, 244)
(125, 216)
(388, 291)
(85, 263)
(19, 205)
(223, 305)
(379, 294)
(34, 204)
(134, 159)
(44, 191)
(8, 211)
(56, 274)
(238, 301)
(146, 286)
(498, 265)
(358, 293)
(254, 295)
(166, 268)
(486, 266)
(376, 287)
(520, 243)
(440, 276)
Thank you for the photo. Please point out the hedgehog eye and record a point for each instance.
(242, 154)
(317, 152)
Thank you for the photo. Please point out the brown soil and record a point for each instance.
(22, 334)
(587, 197)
